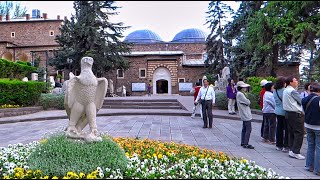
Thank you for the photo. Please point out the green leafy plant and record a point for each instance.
(254, 82)
(55, 101)
(17, 92)
(221, 100)
(58, 155)
(15, 70)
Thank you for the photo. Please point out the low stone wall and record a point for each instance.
(7, 112)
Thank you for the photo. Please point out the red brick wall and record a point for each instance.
(282, 70)
(34, 33)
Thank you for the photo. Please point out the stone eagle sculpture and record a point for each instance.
(84, 96)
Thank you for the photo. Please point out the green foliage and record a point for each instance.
(254, 82)
(15, 70)
(9, 7)
(24, 63)
(21, 93)
(216, 47)
(253, 101)
(55, 101)
(221, 100)
(59, 155)
(90, 32)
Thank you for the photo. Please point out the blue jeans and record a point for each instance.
(313, 151)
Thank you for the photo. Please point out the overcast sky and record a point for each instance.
(166, 18)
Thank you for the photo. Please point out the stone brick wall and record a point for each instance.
(8, 112)
(282, 70)
(30, 33)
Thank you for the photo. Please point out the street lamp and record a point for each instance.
(69, 61)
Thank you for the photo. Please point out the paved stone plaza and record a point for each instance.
(181, 128)
(224, 136)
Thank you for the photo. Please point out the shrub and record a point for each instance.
(221, 100)
(255, 83)
(17, 92)
(58, 155)
(15, 70)
(55, 101)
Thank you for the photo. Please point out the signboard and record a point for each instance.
(138, 87)
(185, 86)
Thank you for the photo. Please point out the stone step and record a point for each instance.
(139, 107)
(139, 100)
(142, 103)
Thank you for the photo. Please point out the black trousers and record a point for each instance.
(207, 113)
(262, 126)
(295, 131)
(270, 122)
(246, 131)
(282, 132)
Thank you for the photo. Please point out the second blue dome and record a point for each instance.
(190, 35)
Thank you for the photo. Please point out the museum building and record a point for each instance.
(170, 67)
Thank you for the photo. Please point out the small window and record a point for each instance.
(51, 33)
(181, 80)
(142, 73)
(120, 73)
(13, 34)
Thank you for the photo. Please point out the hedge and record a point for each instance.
(254, 82)
(222, 100)
(15, 70)
(17, 92)
(55, 101)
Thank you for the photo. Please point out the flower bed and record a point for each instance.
(147, 159)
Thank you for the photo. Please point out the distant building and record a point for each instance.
(165, 65)
(28, 39)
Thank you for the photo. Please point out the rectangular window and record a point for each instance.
(13, 34)
(51, 33)
(120, 74)
(181, 80)
(142, 73)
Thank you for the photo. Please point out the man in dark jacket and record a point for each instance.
(311, 108)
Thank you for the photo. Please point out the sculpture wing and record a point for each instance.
(101, 92)
(70, 94)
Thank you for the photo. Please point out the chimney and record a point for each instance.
(58, 17)
(45, 16)
(7, 17)
(27, 17)
(0, 17)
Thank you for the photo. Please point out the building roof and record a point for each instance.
(143, 36)
(193, 62)
(190, 35)
(144, 53)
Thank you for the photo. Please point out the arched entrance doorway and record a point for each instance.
(161, 81)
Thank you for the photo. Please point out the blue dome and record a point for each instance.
(190, 35)
(143, 36)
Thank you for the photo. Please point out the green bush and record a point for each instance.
(254, 82)
(51, 101)
(221, 100)
(17, 92)
(24, 63)
(59, 155)
(15, 70)
(254, 101)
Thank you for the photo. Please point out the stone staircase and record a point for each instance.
(142, 104)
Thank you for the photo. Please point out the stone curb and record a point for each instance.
(123, 114)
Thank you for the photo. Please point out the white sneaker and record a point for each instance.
(297, 156)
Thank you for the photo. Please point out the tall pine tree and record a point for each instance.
(90, 33)
(216, 45)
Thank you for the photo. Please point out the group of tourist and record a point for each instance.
(287, 115)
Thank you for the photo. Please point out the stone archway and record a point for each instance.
(23, 57)
(7, 56)
(162, 81)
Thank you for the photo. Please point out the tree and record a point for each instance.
(90, 33)
(215, 44)
(8, 7)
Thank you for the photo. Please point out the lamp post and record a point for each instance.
(69, 61)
